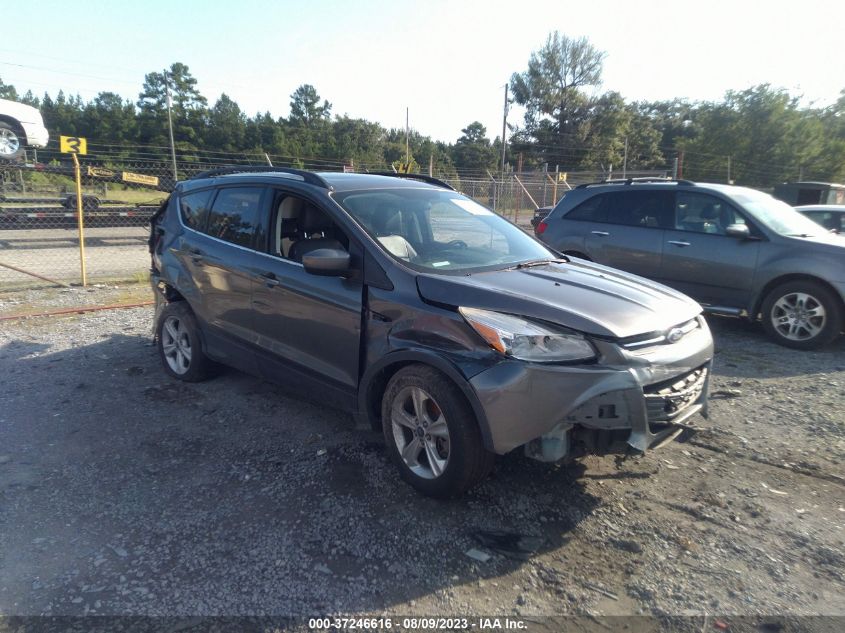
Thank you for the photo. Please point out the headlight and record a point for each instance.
(528, 340)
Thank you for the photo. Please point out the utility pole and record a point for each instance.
(680, 164)
(625, 160)
(504, 129)
(729, 170)
(675, 168)
(170, 124)
(407, 139)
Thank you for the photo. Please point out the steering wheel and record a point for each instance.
(457, 244)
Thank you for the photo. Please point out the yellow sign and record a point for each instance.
(141, 179)
(73, 145)
(100, 172)
(561, 176)
(404, 168)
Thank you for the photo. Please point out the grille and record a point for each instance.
(665, 400)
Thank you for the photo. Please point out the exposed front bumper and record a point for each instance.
(646, 396)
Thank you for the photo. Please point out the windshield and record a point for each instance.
(777, 215)
(440, 231)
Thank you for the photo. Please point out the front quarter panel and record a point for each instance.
(791, 257)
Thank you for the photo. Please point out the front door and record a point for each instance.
(307, 327)
(700, 260)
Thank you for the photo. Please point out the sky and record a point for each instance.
(447, 62)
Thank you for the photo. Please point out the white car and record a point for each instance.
(20, 126)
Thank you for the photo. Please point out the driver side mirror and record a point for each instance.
(738, 230)
(327, 262)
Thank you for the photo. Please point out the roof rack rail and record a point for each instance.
(429, 179)
(307, 176)
(631, 181)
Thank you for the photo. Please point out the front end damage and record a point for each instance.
(632, 399)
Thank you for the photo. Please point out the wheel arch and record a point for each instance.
(782, 279)
(374, 383)
(16, 126)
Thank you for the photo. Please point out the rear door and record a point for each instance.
(703, 262)
(219, 251)
(627, 230)
(308, 328)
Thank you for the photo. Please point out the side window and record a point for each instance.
(592, 210)
(194, 209)
(703, 213)
(300, 227)
(236, 216)
(647, 209)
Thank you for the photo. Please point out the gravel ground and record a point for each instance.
(124, 492)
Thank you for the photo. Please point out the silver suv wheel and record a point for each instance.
(798, 316)
(803, 314)
(176, 345)
(420, 432)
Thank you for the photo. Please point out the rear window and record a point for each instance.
(194, 209)
(236, 215)
(649, 208)
(592, 210)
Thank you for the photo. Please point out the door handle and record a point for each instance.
(196, 255)
(269, 279)
(679, 243)
(600, 233)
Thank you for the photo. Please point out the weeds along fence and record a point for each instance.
(39, 231)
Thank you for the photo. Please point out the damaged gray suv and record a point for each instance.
(424, 314)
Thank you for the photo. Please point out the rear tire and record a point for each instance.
(802, 315)
(11, 142)
(179, 344)
(432, 434)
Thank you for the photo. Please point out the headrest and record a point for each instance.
(314, 220)
(290, 208)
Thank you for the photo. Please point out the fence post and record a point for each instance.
(519, 192)
(79, 220)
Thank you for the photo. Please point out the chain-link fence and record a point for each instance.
(517, 196)
(39, 230)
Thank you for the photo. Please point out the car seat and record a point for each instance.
(287, 224)
(312, 221)
(387, 225)
(712, 216)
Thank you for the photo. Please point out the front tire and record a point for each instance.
(802, 315)
(431, 433)
(179, 344)
(11, 142)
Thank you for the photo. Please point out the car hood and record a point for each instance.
(833, 243)
(580, 295)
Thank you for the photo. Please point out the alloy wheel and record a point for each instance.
(176, 345)
(798, 316)
(9, 142)
(420, 432)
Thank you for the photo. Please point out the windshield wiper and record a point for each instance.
(537, 262)
(799, 235)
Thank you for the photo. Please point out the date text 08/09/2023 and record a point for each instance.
(416, 624)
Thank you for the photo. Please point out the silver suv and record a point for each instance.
(735, 250)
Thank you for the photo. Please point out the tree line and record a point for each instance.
(757, 136)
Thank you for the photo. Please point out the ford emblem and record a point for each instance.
(674, 335)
